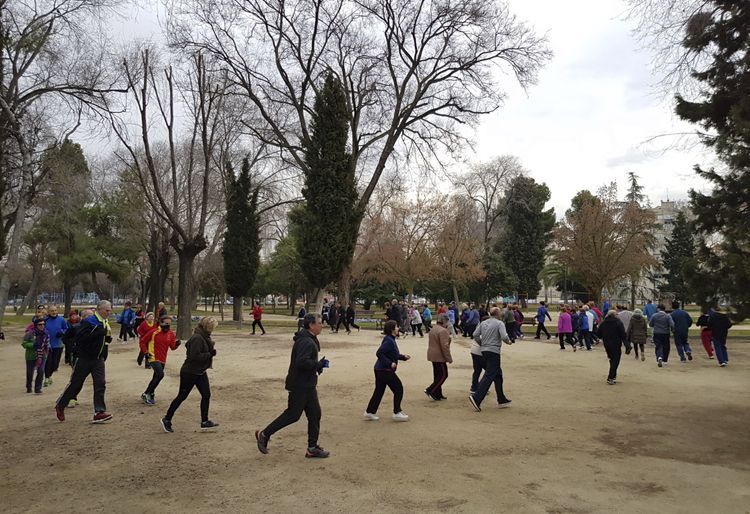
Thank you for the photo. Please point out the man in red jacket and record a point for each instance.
(155, 345)
(257, 314)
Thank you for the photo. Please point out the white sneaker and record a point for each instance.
(370, 417)
(400, 416)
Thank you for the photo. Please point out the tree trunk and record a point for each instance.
(221, 306)
(315, 301)
(15, 242)
(455, 293)
(291, 303)
(344, 283)
(237, 309)
(186, 298)
(68, 292)
(632, 294)
(30, 298)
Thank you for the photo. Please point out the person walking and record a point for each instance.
(612, 333)
(706, 334)
(426, 317)
(472, 320)
(682, 323)
(719, 325)
(257, 316)
(439, 354)
(586, 322)
(36, 343)
(126, 320)
(662, 324)
(490, 335)
(624, 315)
(144, 329)
(333, 317)
(301, 384)
(92, 348)
(341, 311)
(161, 310)
(388, 356)
(452, 320)
(199, 357)
(649, 310)
(565, 329)
(301, 318)
(518, 315)
(637, 333)
(456, 318)
(69, 337)
(415, 320)
(56, 327)
(351, 314)
(509, 318)
(541, 314)
(159, 341)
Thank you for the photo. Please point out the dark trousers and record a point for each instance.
(141, 357)
(681, 342)
(541, 328)
(510, 327)
(258, 323)
(383, 379)
(53, 361)
(344, 322)
(493, 374)
(585, 337)
(439, 376)
(81, 370)
(720, 347)
(415, 329)
(352, 324)
(30, 367)
(566, 338)
(614, 352)
(662, 346)
(479, 365)
(300, 400)
(470, 328)
(427, 324)
(124, 332)
(158, 368)
(187, 382)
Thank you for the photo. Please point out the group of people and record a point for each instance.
(334, 314)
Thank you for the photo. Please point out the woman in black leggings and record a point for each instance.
(385, 375)
(200, 353)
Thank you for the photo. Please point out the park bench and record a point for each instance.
(368, 316)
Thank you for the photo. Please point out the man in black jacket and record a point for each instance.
(612, 332)
(91, 345)
(301, 384)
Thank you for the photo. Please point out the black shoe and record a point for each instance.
(262, 442)
(504, 404)
(166, 424)
(474, 403)
(317, 453)
(689, 356)
(208, 425)
(28, 389)
(430, 396)
(442, 397)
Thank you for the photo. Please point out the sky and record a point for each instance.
(593, 116)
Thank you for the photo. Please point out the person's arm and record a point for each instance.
(198, 352)
(172, 341)
(503, 333)
(547, 313)
(478, 334)
(445, 345)
(690, 320)
(305, 358)
(651, 322)
(28, 341)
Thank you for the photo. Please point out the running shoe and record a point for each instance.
(400, 416)
(262, 442)
(643, 357)
(611, 381)
(659, 362)
(689, 356)
(723, 364)
(166, 424)
(101, 417)
(145, 399)
(317, 452)
(370, 417)
(432, 398)
(60, 413)
(208, 425)
(504, 404)
(474, 403)
(72, 403)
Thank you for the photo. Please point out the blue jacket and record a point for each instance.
(605, 307)
(128, 316)
(388, 354)
(682, 322)
(427, 313)
(473, 317)
(649, 310)
(541, 312)
(584, 322)
(56, 328)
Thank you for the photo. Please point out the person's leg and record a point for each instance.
(419, 329)
(666, 348)
(187, 381)
(313, 414)
(30, 365)
(98, 377)
(570, 340)
(706, 337)
(413, 330)
(353, 325)
(544, 329)
(49, 365)
(158, 368)
(81, 369)
(561, 337)
(260, 325)
(395, 385)
(477, 362)
(293, 412)
(587, 338)
(615, 354)
(658, 349)
(381, 378)
(492, 362)
(720, 346)
(140, 358)
(538, 330)
(643, 350)
(39, 381)
(511, 330)
(679, 343)
(204, 388)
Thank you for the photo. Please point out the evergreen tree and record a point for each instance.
(722, 33)
(328, 219)
(527, 232)
(678, 252)
(241, 237)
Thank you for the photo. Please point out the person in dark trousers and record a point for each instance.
(541, 314)
(301, 318)
(126, 319)
(682, 322)
(257, 315)
(341, 312)
(439, 354)
(301, 383)
(612, 332)
(719, 325)
(662, 324)
(637, 333)
(68, 339)
(385, 375)
(490, 335)
(394, 313)
(350, 315)
(333, 317)
(157, 343)
(36, 343)
(92, 347)
(456, 317)
(56, 328)
(199, 357)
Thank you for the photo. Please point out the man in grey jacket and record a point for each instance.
(662, 324)
(490, 335)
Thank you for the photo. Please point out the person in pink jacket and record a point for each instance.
(565, 329)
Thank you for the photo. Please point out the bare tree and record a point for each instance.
(415, 73)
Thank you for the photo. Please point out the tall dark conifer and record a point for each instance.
(678, 253)
(328, 219)
(241, 238)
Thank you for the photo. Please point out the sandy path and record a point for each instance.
(670, 440)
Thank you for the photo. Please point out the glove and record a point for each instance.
(177, 344)
(213, 352)
(107, 339)
(39, 362)
(325, 363)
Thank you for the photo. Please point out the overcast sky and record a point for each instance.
(589, 119)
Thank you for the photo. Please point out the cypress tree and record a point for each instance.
(328, 219)
(678, 252)
(241, 237)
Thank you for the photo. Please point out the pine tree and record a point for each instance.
(722, 33)
(678, 252)
(528, 232)
(241, 238)
(328, 219)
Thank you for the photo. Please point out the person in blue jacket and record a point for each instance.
(541, 314)
(385, 375)
(56, 328)
(126, 319)
(682, 322)
(649, 310)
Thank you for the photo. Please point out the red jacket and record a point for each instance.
(157, 344)
(143, 329)
(257, 312)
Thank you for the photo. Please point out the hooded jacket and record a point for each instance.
(439, 345)
(637, 329)
(304, 366)
(719, 324)
(612, 332)
(56, 328)
(92, 338)
(199, 353)
(662, 323)
(564, 323)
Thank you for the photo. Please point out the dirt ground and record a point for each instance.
(661, 440)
